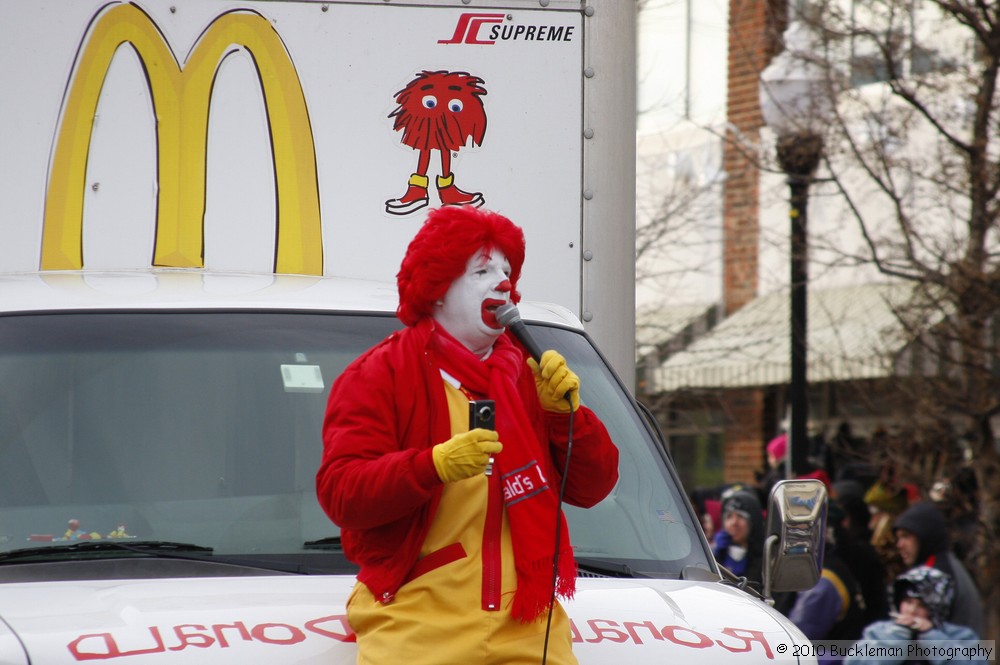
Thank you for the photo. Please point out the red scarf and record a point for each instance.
(531, 499)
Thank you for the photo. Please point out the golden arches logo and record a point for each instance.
(181, 97)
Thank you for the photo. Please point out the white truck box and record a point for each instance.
(201, 227)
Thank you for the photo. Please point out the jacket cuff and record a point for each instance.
(424, 470)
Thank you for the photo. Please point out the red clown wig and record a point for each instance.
(440, 251)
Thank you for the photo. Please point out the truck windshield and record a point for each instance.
(204, 428)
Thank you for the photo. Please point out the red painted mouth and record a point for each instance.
(490, 306)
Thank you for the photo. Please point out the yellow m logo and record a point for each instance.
(181, 99)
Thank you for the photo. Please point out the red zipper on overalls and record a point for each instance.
(491, 544)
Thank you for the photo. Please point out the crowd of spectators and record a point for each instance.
(896, 555)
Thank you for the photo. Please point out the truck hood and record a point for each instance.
(301, 620)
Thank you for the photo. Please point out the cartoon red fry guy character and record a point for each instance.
(438, 111)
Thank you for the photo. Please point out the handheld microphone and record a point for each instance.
(508, 316)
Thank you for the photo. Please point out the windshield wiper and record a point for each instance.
(152, 548)
(329, 543)
(607, 568)
(732, 579)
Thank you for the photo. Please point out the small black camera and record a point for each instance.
(482, 414)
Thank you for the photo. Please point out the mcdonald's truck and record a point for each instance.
(204, 205)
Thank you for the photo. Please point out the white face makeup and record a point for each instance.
(468, 310)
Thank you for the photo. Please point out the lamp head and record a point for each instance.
(796, 96)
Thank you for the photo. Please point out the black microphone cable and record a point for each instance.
(559, 518)
(509, 317)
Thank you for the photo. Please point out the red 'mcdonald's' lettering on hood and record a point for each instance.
(104, 646)
(735, 640)
(167, 639)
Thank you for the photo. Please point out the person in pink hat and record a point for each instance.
(777, 448)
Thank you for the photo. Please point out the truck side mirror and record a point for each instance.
(796, 532)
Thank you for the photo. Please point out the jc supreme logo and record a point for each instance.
(523, 483)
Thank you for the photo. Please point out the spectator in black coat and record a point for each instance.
(922, 540)
(739, 544)
(853, 536)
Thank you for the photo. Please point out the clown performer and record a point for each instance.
(438, 111)
(457, 563)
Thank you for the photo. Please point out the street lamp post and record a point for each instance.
(794, 104)
(799, 155)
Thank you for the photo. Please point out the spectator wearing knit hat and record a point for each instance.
(886, 500)
(739, 544)
(924, 598)
(777, 449)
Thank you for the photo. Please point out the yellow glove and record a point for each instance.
(554, 380)
(465, 455)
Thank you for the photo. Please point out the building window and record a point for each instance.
(893, 40)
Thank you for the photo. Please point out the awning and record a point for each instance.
(659, 329)
(853, 333)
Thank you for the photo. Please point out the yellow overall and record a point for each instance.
(443, 616)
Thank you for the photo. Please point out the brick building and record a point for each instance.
(717, 375)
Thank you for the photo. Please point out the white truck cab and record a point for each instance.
(205, 204)
(159, 438)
